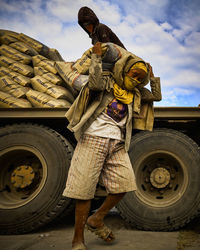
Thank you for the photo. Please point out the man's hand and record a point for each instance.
(150, 70)
(97, 49)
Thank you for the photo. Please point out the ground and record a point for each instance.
(57, 236)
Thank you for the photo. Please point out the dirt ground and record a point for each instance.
(57, 236)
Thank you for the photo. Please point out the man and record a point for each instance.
(97, 31)
(101, 152)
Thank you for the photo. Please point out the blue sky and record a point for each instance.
(165, 33)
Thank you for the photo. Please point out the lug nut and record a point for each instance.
(173, 176)
(161, 191)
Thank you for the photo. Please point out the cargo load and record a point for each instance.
(27, 64)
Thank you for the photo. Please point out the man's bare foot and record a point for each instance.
(95, 221)
(102, 232)
(78, 246)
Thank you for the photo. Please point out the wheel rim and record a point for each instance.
(23, 172)
(162, 179)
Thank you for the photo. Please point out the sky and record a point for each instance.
(165, 33)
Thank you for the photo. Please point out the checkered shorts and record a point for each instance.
(94, 158)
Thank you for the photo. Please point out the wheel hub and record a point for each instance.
(22, 176)
(160, 177)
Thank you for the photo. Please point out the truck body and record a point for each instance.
(35, 153)
(36, 147)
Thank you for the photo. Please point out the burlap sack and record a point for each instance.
(72, 78)
(8, 101)
(22, 80)
(9, 32)
(5, 61)
(24, 48)
(37, 59)
(25, 70)
(7, 35)
(7, 39)
(43, 100)
(39, 71)
(9, 86)
(64, 103)
(48, 65)
(66, 72)
(4, 71)
(54, 55)
(38, 46)
(80, 81)
(82, 64)
(41, 84)
(14, 54)
(41, 61)
(55, 79)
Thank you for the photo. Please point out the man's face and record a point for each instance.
(89, 27)
(137, 74)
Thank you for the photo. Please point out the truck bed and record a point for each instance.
(177, 113)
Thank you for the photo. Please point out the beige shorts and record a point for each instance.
(94, 158)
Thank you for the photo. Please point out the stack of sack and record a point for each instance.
(33, 75)
(28, 76)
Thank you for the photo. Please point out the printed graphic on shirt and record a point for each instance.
(116, 110)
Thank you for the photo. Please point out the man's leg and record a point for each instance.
(97, 219)
(81, 215)
(118, 177)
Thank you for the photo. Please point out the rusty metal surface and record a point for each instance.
(160, 112)
(32, 112)
(177, 112)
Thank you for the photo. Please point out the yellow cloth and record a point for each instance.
(126, 95)
(122, 95)
(129, 82)
(139, 65)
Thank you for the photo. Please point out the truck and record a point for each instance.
(36, 149)
(35, 153)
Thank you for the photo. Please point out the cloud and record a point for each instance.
(65, 11)
(166, 26)
(179, 97)
(144, 10)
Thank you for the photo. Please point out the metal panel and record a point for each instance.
(187, 113)
(33, 113)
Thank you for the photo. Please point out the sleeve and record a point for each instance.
(107, 35)
(104, 33)
(96, 81)
(155, 88)
(154, 94)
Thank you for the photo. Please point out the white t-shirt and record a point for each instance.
(105, 126)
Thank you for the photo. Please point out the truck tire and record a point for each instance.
(167, 169)
(34, 163)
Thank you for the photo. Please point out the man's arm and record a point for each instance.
(96, 81)
(155, 85)
(155, 94)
